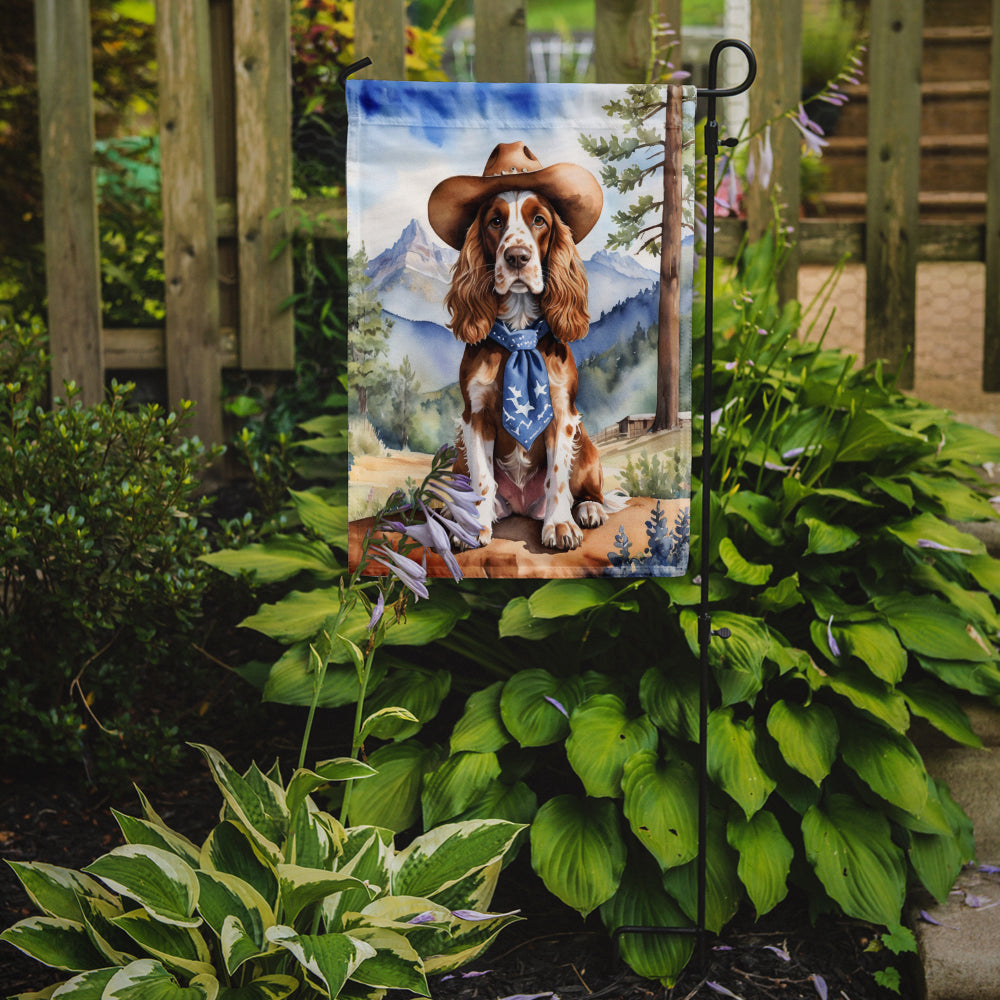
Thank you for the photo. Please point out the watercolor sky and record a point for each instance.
(406, 137)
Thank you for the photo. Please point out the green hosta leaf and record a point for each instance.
(260, 809)
(765, 858)
(391, 798)
(395, 964)
(330, 959)
(418, 691)
(732, 760)
(723, 889)
(279, 558)
(456, 784)
(641, 901)
(828, 539)
(928, 528)
(738, 569)
(292, 680)
(327, 520)
(870, 436)
(975, 605)
(54, 941)
(738, 661)
(661, 799)
(937, 859)
(559, 598)
(443, 856)
(986, 572)
(274, 987)
(894, 489)
(602, 738)
(481, 728)
(671, 700)
(850, 848)
(760, 512)
(578, 851)
(56, 891)
(530, 706)
(231, 850)
(957, 501)
(876, 646)
(865, 692)
(159, 881)
(941, 709)
(976, 678)
(147, 979)
(807, 736)
(516, 803)
(888, 763)
(965, 443)
(931, 628)
(301, 887)
(783, 595)
(141, 831)
(517, 620)
(180, 948)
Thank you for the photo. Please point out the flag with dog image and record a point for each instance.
(520, 282)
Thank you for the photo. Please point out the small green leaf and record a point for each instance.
(481, 727)
(807, 736)
(739, 569)
(765, 858)
(732, 760)
(828, 539)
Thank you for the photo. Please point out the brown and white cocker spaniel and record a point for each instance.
(518, 298)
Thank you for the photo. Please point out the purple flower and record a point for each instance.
(427, 917)
(475, 915)
(820, 983)
(459, 501)
(834, 648)
(558, 705)
(927, 543)
(432, 536)
(377, 611)
(780, 952)
(719, 988)
(760, 165)
(409, 573)
(811, 132)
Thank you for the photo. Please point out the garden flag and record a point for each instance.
(521, 262)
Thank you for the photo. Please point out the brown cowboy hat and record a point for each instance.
(573, 190)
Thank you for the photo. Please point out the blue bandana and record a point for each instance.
(526, 407)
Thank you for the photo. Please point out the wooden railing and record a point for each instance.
(226, 156)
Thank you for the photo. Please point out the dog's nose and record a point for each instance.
(517, 257)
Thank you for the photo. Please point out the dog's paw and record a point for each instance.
(589, 514)
(562, 535)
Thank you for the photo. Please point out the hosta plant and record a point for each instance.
(279, 900)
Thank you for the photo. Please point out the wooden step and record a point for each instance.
(947, 163)
(956, 53)
(957, 206)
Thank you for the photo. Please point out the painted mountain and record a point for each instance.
(412, 277)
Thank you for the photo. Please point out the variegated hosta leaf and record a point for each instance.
(230, 849)
(54, 941)
(300, 887)
(224, 898)
(177, 947)
(275, 987)
(315, 838)
(481, 727)
(160, 882)
(116, 946)
(56, 891)
(578, 851)
(329, 959)
(732, 760)
(661, 805)
(642, 902)
(456, 784)
(475, 891)
(441, 857)
(86, 986)
(141, 831)
(395, 964)
(765, 858)
(468, 939)
(367, 853)
(256, 801)
(602, 737)
(807, 736)
(850, 847)
(304, 782)
(149, 980)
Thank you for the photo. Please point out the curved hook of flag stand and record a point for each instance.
(705, 631)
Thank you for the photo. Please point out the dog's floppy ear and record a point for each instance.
(471, 300)
(564, 301)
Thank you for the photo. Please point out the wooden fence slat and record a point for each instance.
(72, 256)
(776, 36)
(991, 332)
(262, 61)
(501, 37)
(892, 216)
(380, 34)
(621, 40)
(190, 252)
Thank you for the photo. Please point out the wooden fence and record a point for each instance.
(226, 161)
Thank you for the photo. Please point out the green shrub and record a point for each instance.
(279, 900)
(101, 584)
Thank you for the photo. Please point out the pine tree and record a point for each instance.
(643, 106)
(367, 332)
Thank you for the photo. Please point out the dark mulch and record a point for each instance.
(551, 952)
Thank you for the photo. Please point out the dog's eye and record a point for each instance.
(539, 220)
(495, 222)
